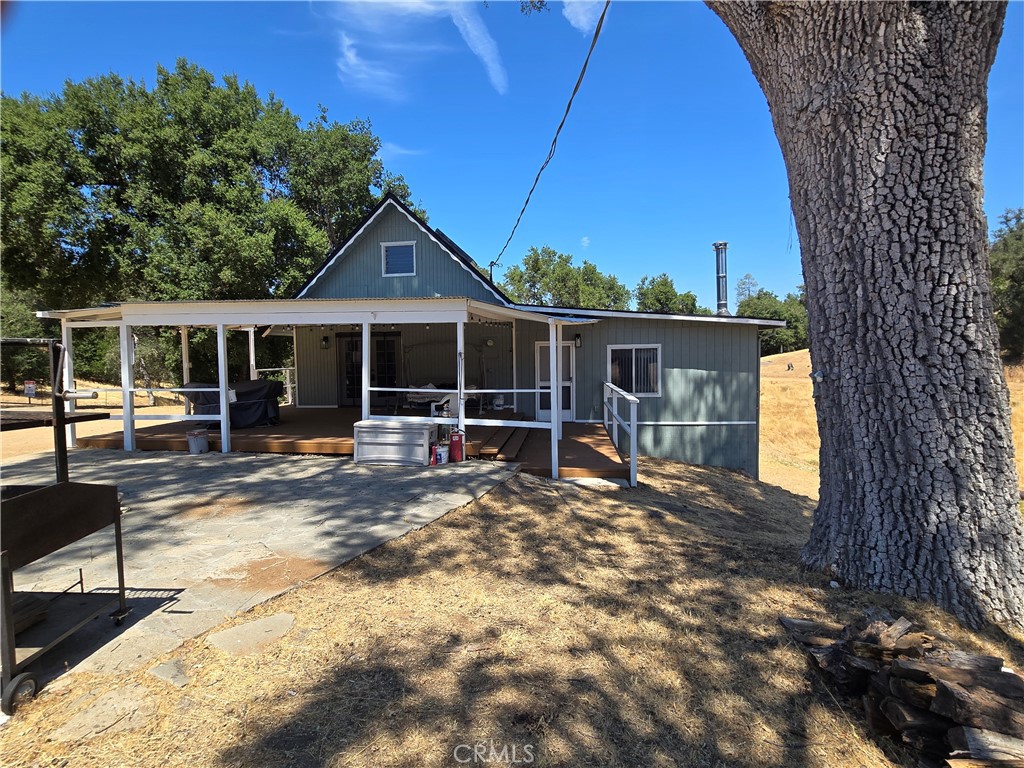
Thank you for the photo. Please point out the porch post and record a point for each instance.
(186, 366)
(558, 333)
(366, 370)
(252, 353)
(553, 376)
(460, 357)
(127, 384)
(222, 376)
(69, 379)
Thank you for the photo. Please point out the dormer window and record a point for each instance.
(398, 259)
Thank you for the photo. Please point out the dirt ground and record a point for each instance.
(595, 627)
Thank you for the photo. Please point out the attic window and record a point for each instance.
(398, 259)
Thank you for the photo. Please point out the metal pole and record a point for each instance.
(252, 354)
(222, 384)
(460, 346)
(60, 446)
(69, 380)
(127, 384)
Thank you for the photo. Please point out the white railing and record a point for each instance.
(436, 395)
(289, 382)
(614, 424)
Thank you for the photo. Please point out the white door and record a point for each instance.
(567, 380)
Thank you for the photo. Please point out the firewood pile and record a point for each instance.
(952, 708)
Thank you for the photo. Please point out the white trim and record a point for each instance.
(425, 230)
(127, 382)
(634, 347)
(626, 314)
(69, 382)
(222, 383)
(384, 259)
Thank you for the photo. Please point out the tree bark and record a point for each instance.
(880, 112)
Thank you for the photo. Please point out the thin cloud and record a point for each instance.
(363, 74)
(480, 42)
(582, 14)
(585, 241)
(372, 32)
(389, 151)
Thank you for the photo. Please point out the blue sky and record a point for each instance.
(669, 146)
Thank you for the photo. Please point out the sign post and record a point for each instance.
(30, 390)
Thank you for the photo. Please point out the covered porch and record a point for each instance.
(492, 431)
(585, 450)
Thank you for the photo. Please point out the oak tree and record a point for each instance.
(880, 109)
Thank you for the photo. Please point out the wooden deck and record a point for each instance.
(584, 451)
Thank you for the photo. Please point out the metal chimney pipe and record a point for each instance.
(723, 289)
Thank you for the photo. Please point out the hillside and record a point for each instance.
(789, 430)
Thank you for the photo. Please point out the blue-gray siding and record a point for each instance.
(709, 374)
(358, 273)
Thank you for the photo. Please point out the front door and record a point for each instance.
(567, 380)
(384, 363)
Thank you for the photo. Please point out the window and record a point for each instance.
(636, 369)
(398, 259)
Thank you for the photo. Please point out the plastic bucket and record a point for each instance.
(198, 442)
(440, 454)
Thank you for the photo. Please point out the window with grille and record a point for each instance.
(636, 369)
(398, 259)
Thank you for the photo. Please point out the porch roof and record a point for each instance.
(246, 313)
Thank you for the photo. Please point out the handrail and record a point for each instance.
(613, 422)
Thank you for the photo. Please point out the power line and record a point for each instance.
(554, 141)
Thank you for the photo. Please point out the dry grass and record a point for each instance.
(789, 429)
(613, 629)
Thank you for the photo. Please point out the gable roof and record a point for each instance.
(444, 242)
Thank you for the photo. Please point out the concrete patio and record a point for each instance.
(207, 536)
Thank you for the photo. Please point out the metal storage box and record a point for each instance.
(400, 443)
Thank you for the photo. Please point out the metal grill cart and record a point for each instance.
(36, 521)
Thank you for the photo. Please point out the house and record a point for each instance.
(682, 387)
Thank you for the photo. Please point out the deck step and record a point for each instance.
(492, 447)
(510, 449)
(480, 440)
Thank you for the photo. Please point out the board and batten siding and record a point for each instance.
(709, 374)
(426, 355)
(358, 273)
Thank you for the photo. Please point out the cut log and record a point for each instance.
(903, 716)
(889, 636)
(970, 762)
(1005, 684)
(877, 721)
(984, 744)
(917, 694)
(979, 708)
(879, 683)
(871, 651)
(930, 743)
(915, 644)
(962, 660)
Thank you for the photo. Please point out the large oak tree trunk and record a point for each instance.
(880, 112)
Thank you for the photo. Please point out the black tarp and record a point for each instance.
(255, 406)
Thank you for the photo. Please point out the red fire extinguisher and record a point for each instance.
(455, 452)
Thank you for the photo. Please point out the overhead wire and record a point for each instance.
(554, 141)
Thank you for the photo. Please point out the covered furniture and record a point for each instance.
(255, 402)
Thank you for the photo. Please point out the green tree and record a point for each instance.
(746, 287)
(18, 320)
(192, 189)
(659, 294)
(1007, 259)
(550, 278)
(766, 305)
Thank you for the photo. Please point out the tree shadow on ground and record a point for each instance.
(579, 627)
